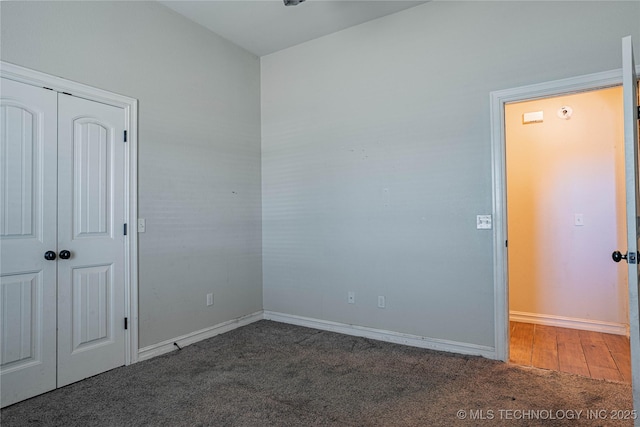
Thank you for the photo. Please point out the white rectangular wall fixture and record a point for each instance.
(533, 117)
(351, 297)
(483, 222)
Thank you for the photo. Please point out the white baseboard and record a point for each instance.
(185, 340)
(569, 322)
(382, 335)
(325, 325)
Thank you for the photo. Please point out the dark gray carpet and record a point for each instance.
(272, 374)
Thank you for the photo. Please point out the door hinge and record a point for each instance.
(126, 323)
(638, 112)
(47, 88)
(506, 243)
(67, 93)
(125, 229)
(125, 136)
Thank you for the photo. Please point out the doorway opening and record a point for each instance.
(565, 197)
(498, 101)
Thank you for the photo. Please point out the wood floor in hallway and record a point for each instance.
(587, 353)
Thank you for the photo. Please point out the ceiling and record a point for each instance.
(266, 26)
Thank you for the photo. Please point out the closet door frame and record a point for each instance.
(130, 106)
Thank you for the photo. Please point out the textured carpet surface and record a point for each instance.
(272, 374)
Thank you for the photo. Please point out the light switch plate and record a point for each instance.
(579, 219)
(483, 222)
(142, 225)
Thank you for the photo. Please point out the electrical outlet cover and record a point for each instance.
(351, 297)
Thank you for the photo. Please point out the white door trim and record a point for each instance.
(130, 106)
(498, 168)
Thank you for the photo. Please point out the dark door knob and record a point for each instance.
(49, 255)
(65, 254)
(631, 257)
(617, 256)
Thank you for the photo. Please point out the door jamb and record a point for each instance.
(498, 100)
(130, 106)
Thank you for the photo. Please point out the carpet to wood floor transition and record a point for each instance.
(273, 374)
(591, 354)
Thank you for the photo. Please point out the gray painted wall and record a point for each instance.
(199, 146)
(376, 152)
(376, 156)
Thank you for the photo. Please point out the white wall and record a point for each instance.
(555, 170)
(376, 156)
(199, 146)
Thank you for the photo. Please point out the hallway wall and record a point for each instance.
(556, 170)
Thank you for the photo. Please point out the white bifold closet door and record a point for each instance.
(62, 193)
(29, 158)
